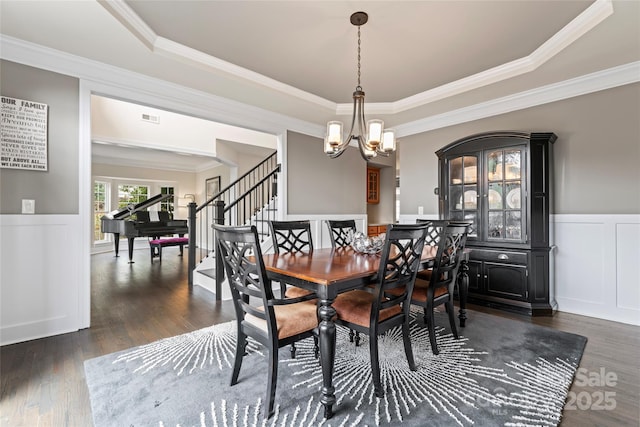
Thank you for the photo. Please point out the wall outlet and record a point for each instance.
(420, 210)
(28, 206)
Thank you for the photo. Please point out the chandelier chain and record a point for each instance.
(359, 57)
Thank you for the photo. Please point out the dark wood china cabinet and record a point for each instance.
(501, 182)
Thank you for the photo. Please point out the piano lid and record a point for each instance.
(130, 209)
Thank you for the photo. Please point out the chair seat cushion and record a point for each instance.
(425, 274)
(419, 291)
(291, 319)
(296, 292)
(355, 307)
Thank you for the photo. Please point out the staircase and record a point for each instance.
(250, 200)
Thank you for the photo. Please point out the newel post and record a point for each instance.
(218, 219)
(192, 242)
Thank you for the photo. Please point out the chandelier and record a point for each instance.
(377, 140)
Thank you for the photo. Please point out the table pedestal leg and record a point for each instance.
(327, 354)
(463, 290)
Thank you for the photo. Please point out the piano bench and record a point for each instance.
(156, 245)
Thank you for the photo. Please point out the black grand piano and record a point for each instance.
(120, 223)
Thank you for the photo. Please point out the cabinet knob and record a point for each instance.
(503, 256)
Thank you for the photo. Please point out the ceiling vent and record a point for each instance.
(150, 118)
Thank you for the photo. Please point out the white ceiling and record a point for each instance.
(420, 59)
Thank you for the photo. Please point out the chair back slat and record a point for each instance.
(399, 262)
(291, 236)
(341, 232)
(244, 267)
(450, 250)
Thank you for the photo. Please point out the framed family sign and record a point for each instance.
(23, 126)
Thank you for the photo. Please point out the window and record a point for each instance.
(100, 208)
(169, 204)
(131, 195)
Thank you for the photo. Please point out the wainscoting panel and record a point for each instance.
(598, 266)
(585, 285)
(628, 255)
(596, 263)
(40, 276)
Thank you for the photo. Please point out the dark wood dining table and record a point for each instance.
(329, 272)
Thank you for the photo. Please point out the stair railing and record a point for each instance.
(248, 200)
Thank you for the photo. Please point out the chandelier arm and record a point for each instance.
(340, 148)
(353, 117)
(364, 149)
(362, 128)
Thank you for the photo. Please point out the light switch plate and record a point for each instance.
(28, 206)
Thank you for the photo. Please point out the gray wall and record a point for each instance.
(320, 185)
(56, 190)
(596, 156)
(384, 211)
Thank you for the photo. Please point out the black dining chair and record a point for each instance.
(373, 311)
(438, 289)
(272, 322)
(341, 232)
(291, 237)
(435, 228)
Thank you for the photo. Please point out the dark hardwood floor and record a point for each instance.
(42, 381)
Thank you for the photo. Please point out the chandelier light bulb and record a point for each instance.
(374, 136)
(388, 140)
(334, 133)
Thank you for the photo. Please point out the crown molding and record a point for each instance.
(127, 17)
(170, 49)
(216, 108)
(583, 23)
(186, 100)
(594, 82)
(133, 143)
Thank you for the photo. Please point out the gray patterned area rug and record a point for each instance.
(500, 372)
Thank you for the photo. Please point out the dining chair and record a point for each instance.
(272, 322)
(372, 311)
(291, 236)
(435, 227)
(439, 288)
(434, 230)
(341, 232)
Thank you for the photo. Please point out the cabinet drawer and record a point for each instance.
(506, 257)
(374, 230)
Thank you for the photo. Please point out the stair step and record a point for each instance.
(210, 272)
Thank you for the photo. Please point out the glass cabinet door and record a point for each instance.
(463, 191)
(505, 194)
